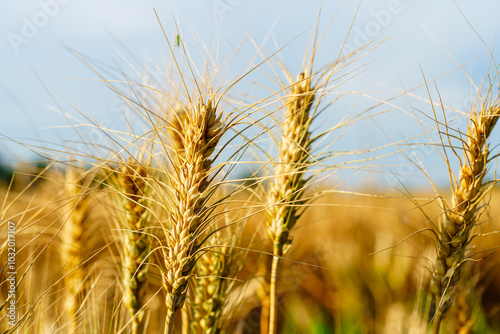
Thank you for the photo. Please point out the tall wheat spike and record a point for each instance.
(294, 154)
(285, 201)
(134, 196)
(288, 185)
(199, 131)
(459, 220)
(73, 250)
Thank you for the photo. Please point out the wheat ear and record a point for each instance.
(287, 184)
(199, 133)
(284, 197)
(133, 201)
(213, 283)
(455, 229)
(73, 243)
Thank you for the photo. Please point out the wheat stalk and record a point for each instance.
(134, 194)
(455, 229)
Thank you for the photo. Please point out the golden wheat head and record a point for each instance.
(199, 133)
(459, 220)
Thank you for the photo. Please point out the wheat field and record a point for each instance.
(225, 211)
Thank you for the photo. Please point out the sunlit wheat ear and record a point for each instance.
(287, 184)
(459, 220)
(294, 154)
(133, 199)
(199, 134)
(73, 237)
(462, 313)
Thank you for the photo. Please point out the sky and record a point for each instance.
(49, 50)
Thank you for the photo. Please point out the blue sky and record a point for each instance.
(42, 82)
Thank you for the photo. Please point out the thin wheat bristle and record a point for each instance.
(455, 229)
(199, 135)
(133, 200)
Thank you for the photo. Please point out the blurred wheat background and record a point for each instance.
(277, 179)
